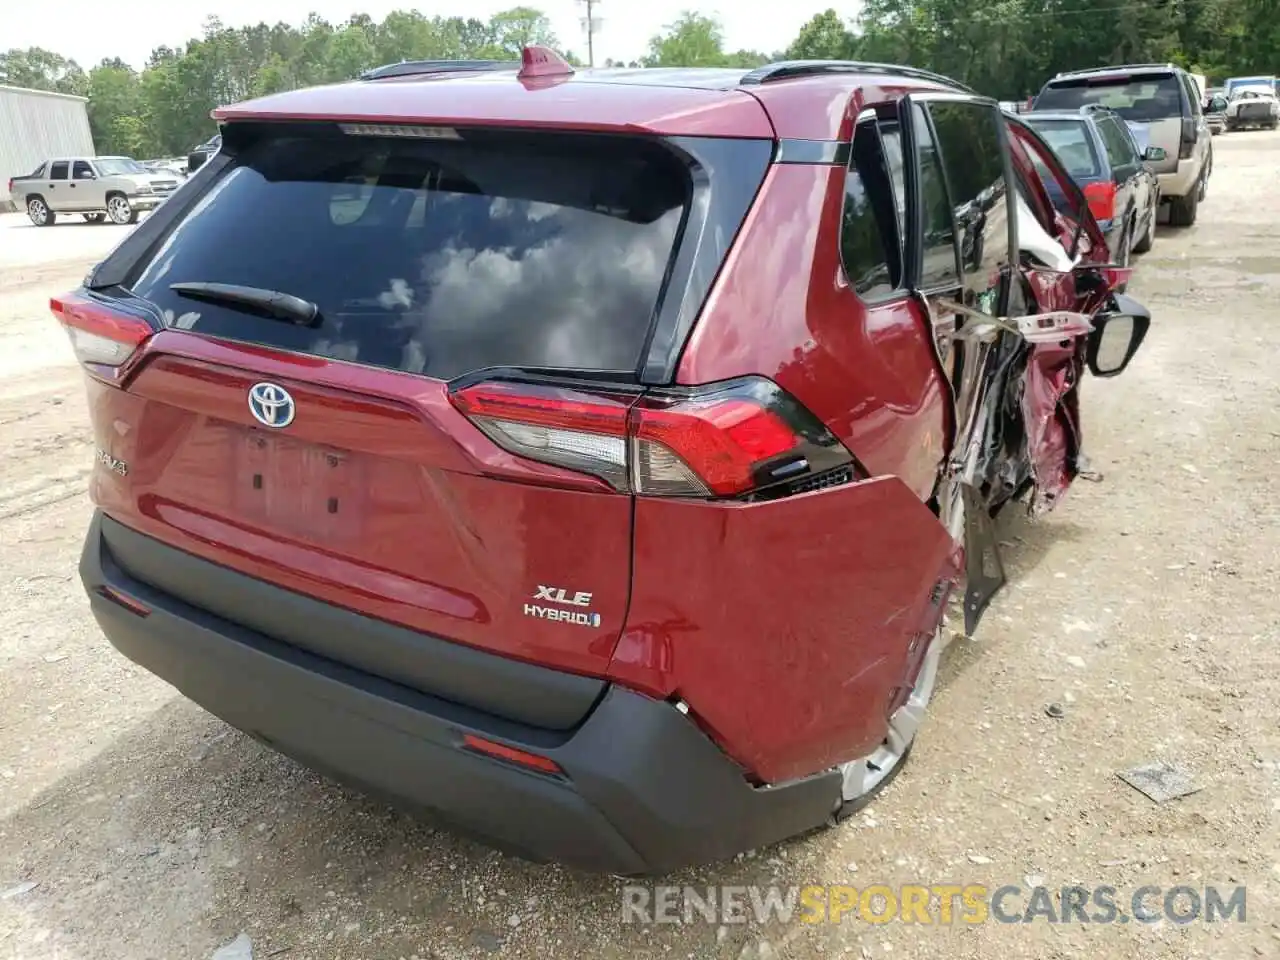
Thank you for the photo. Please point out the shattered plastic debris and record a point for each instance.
(1160, 781)
(25, 887)
(241, 948)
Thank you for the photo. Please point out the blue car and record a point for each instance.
(1109, 159)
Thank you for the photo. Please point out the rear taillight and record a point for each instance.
(1102, 199)
(727, 440)
(102, 338)
(1187, 143)
(11, 186)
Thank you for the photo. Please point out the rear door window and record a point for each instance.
(972, 151)
(1143, 98)
(435, 256)
(938, 267)
(58, 171)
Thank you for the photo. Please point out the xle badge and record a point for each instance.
(562, 598)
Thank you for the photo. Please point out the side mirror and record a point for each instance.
(1117, 335)
(1155, 154)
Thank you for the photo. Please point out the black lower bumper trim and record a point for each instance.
(644, 790)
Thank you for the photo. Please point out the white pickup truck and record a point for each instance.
(97, 188)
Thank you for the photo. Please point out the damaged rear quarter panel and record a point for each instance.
(785, 625)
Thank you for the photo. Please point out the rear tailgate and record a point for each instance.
(327, 459)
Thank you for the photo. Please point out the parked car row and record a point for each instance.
(590, 461)
(1164, 128)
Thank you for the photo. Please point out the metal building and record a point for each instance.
(36, 125)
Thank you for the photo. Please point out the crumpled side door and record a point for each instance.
(1080, 285)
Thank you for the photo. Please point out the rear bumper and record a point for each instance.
(642, 791)
(1180, 182)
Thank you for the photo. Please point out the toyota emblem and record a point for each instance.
(271, 405)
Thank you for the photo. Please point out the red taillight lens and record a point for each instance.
(102, 338)
(1102, 200)
(724, 441)
(568, 428)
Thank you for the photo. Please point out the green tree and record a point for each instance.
(115, 96)
(38, 69)
(693, 40)
(825, 37)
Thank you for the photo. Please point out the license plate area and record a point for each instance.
(304, 489)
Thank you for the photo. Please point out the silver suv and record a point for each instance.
(1161, 103)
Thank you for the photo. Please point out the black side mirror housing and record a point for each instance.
(1117, 334)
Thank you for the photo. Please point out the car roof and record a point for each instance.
(1130, 70)
(792, 100)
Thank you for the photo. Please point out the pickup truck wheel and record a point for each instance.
(120, 210)
(40, 213)
(866, 777)
(94, 217)
(1183, 210)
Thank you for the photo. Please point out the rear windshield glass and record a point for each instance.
(1071, 142)
(435, 256)
(1145, 98)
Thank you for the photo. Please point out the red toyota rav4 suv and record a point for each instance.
(586, 458)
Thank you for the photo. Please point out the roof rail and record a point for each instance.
(786, 69)
(409, 68)
(1118, 68)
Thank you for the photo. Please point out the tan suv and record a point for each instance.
(1161, 104)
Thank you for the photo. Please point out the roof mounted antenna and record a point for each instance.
(539, 63)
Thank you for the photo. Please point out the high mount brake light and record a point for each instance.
(102, 339)
(724, 441)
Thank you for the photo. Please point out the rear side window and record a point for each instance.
(1120, 151)
(1144, 98)
(58, 171)
(870, 248)
(1072, 144)
(435, 256)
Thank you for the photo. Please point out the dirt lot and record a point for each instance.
(1145, 607)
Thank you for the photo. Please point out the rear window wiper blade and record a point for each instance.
(281, 306)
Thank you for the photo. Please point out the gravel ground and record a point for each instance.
(1145, 607)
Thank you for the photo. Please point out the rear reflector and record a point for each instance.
(124, 600)
(723, 441)
(102, 338)
(501, 751)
